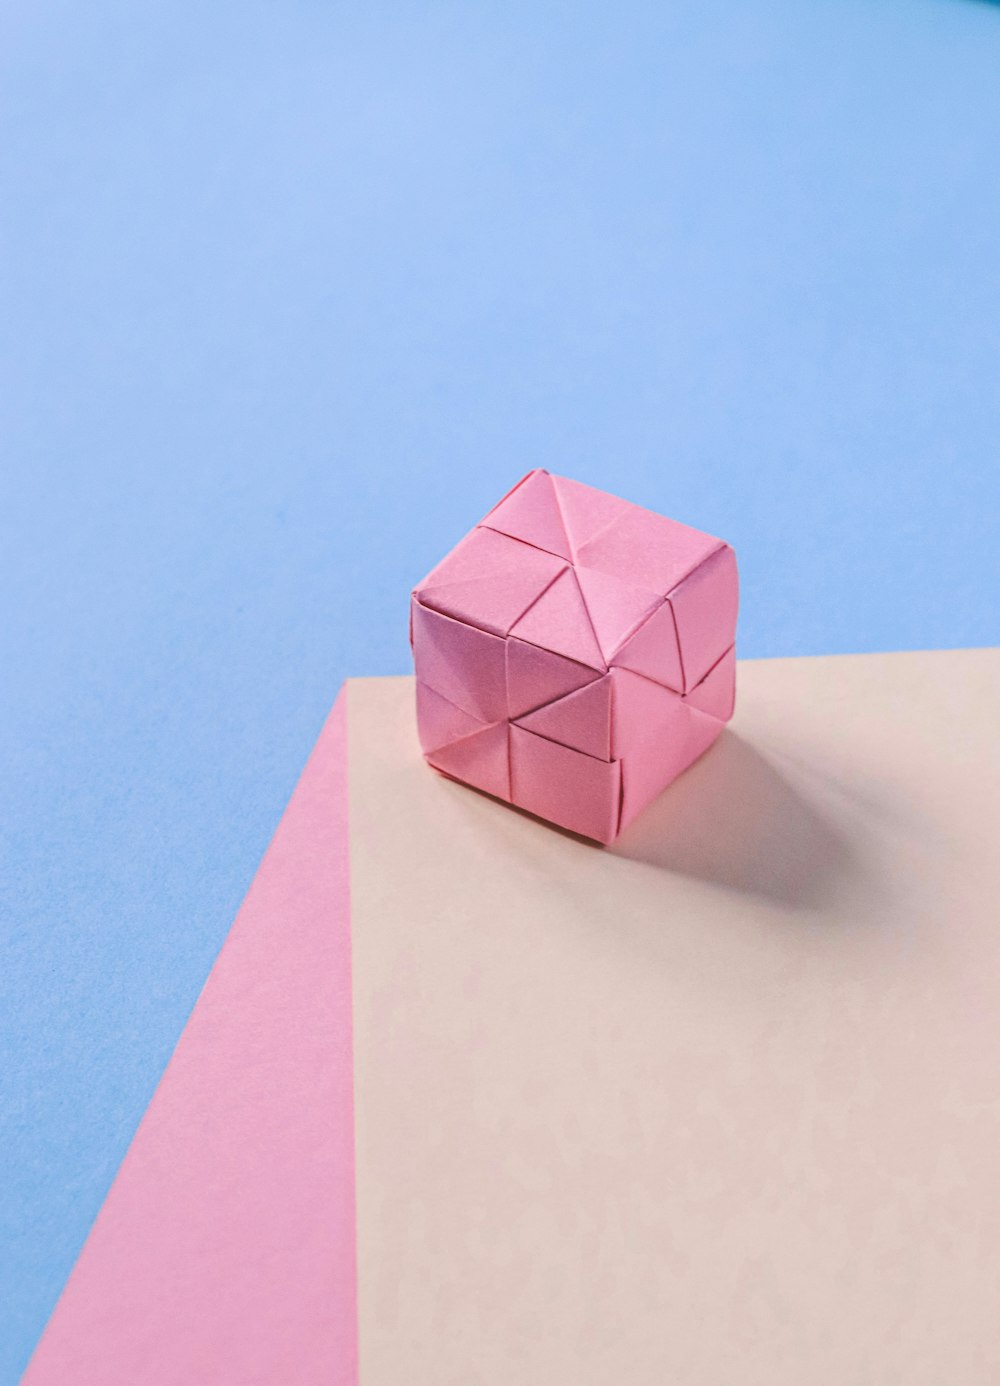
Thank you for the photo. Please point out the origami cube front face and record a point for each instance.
(574, 653)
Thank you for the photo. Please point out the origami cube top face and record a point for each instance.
(574, 653)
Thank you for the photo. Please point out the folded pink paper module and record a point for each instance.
(574, 653)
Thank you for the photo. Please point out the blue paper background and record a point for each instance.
(293, 291)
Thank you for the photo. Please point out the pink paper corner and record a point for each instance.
(225, 1250)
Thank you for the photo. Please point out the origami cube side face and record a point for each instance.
(574, 653)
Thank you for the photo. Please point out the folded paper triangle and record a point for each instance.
(585, 510)
(494, 596)
(654, 650)
(536, 676)
(616, 609)
(493, 603)
(704, 606)
(463, 664)
(716, 694)
(703, 731)
(581, 720)
(651, 736)
(559, 621)
(440, 721)
(647, 549)
(480, 760)
(531, 513)
(480, 553)
(567, 787)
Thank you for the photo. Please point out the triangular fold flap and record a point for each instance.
(703, 731)
(536, 676)
(716, 694)
(616, 608)
(468, 667)
(705, 605)
(565, 786)
(647, 718)
(657, 734)
(654, 651)
(476, 554)
(647, 550)
(531, 513)
(496, 601)
(586, 511)
(440, 722)
(480, 760)
(559, 621)
(581, 720)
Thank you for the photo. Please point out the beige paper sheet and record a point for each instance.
(716, 1108)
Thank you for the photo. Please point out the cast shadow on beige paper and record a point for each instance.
(739, 1071)
(734, 819)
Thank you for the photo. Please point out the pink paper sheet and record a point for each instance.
(224, 1253)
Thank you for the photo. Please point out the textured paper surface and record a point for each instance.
(720, 1104)
(224, 1253)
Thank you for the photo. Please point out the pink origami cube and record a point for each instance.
(574, 653)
